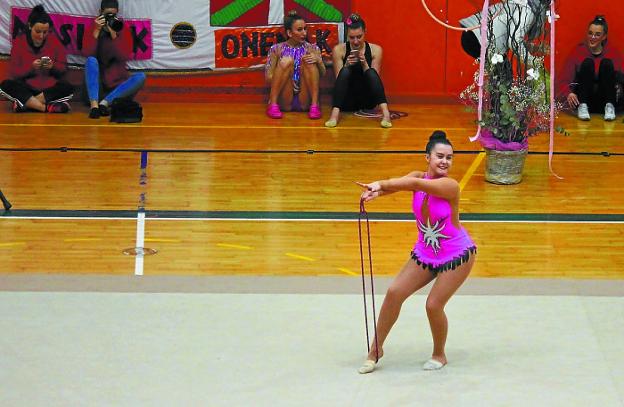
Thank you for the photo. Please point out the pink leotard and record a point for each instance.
(441, 245)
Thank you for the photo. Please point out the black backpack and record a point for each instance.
(124, 110)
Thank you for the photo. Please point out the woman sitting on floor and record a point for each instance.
(108, 49)
(357, 65)
(37, 68)
(293, 71)
(589, 79)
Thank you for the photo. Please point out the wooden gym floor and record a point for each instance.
(254, 299)
(228, 191)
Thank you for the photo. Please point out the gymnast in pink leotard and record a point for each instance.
(444, 251)
(443, 244)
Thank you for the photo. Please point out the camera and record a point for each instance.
(46, 60)
(113, 22)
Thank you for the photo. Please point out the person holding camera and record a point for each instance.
(37, 68)
(108, 50)
(293, 70)
(589, 78)
(357, 64)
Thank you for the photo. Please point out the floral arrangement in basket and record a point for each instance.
(516, 93)
(514, 107)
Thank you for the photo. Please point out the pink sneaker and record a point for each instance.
(274, 112)
(315, 112)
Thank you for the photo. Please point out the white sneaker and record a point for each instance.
(583, 112)
(609, 112)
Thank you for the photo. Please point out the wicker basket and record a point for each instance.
(504, 167)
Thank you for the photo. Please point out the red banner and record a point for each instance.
(245, 47)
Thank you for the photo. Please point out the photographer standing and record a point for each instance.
(108, 50)
(37, 67)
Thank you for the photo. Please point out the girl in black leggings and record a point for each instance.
(590, 74)
(357, 64)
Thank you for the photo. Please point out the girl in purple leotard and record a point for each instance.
(293, 71)
(444, 251)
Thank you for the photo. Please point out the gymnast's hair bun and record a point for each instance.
(39, 15)
(355, 21)
(438, 135)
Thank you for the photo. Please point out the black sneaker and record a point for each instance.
(58, 107)
(94, 113)
(19, 109)
(104, 110)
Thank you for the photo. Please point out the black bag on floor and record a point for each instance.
(125, 110)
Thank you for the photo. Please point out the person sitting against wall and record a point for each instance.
(37, 69)
(589, 77)
(357, 65)
(108, 49)
(293, 70)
